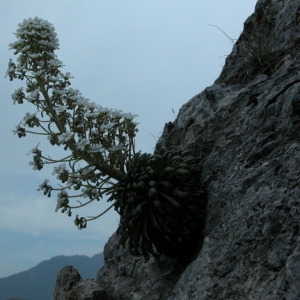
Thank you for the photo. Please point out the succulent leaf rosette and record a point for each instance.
(159, 197)
(162, 204)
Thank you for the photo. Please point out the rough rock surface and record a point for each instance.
(129, 277)
(246, 129)
(70, 286)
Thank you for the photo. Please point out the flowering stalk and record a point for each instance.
(100, 140)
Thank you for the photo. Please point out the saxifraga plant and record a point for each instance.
(159, 197)
(162, 204)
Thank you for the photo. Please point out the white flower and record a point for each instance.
(59, 169)
(81, 100)
(87, 191)
(116, 112)
(42, 185)
(33, 95)
(90, 114)
(33, 164)
(27, 117)
(107, 126)
(59, 92)
(61, 109)
(81, 144)
(92, 105)
(116, 148)
(61, 199)
(34, 150)
(65, 137)
(129, 116)
(73, 179)
(96, 148)
(18, 95)
(59, 204)
(55, 63)
(86, 170)
(18, 127)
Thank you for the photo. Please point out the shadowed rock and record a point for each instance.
(70, 286)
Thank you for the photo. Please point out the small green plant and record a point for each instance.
(256, 51)
(159, 197)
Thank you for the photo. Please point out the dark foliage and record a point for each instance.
(162, 204)
(257, 51)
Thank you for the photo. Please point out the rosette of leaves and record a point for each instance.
(161, 203)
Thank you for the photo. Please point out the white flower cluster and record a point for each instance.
(40, 29)
(18, 96)
(33, 165)
(28, 116)
(59, 169)
(97, 148)
(65, 137)
(62, 200)
(99, 138)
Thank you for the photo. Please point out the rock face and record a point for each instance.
(70, 286)
(246, 129)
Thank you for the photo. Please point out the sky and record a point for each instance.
(143, 57)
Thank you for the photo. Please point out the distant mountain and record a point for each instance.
(38, 283)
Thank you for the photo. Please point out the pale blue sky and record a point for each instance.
(144, 57)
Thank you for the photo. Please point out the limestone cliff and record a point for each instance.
(246, 130)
